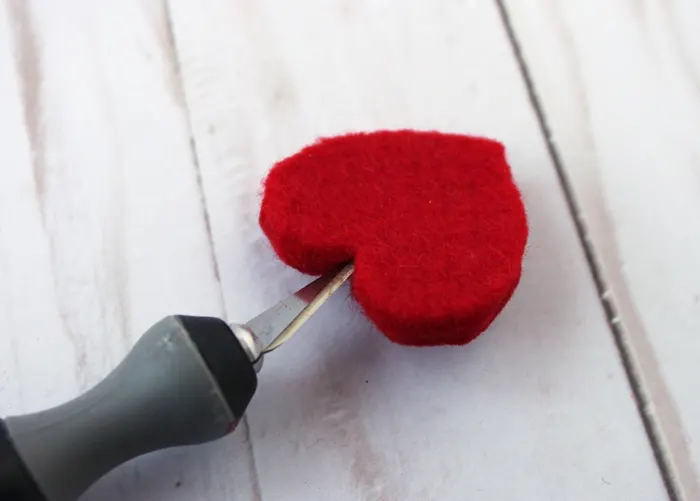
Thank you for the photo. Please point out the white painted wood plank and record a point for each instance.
(539, 407)
(101, 223)
(620, 85)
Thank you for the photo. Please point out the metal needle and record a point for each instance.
(278, 324)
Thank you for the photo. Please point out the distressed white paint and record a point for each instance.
(539, 407)
(620, 85)
(101, 222)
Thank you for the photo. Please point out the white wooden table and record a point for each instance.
(134, 135)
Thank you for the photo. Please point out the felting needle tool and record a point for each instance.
(187, 380)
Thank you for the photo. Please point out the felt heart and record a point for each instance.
(434, 223)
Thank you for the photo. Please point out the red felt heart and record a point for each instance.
(434, 223)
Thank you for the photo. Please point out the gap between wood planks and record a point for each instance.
(177, 71)
(653, 429)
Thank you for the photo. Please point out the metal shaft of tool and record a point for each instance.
(278, 324)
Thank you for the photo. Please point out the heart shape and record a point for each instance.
(434, 223)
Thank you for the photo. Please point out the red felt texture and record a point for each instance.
(434, 223)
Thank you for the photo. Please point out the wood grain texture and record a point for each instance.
(620, 86)
(102, 229)
(539, 407)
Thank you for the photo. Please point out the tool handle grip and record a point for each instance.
(187, 380)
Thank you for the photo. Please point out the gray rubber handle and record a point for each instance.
(165, 393)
